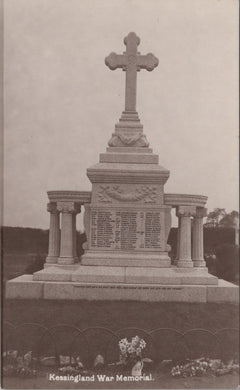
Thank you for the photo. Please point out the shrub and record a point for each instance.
(227, 265)
(211, 263)
(37, 265)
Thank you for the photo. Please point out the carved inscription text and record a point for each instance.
(125, 230)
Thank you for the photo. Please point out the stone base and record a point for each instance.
(113, 259)
(52, 259)
(129, 158)
(223, 292)
(199, 263)
(136, 275)
(66, 260)
(185, 263)
(24, 287)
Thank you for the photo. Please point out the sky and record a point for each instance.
(61, 101)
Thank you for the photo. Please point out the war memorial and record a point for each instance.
(127, 220)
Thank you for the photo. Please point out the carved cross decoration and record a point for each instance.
(131, 62)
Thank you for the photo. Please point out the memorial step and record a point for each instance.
(23, 287)
(124, 275)
(120, 259)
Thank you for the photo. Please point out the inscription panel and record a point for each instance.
(125, 230)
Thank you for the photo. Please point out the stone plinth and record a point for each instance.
(24, 287)
(111, 258)
(127, 274)
(127, 222)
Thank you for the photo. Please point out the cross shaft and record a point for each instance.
(131, 62)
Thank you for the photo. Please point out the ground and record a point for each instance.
(138, 315)
(119, 314)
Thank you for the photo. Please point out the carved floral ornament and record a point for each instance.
(138, 140)
(186, 211)
(68, 207)
(52, 208)
(191, 211)
(146, 193)
(201, 212)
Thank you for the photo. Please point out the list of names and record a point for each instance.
(125, 230)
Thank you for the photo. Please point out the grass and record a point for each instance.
(120, 314)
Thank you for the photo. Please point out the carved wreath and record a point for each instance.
(132, 140)
(107, 193)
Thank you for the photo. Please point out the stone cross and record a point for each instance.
(131, 62)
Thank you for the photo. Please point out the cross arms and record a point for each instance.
(114, 61)
(148, 61)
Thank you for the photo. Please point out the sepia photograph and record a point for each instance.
(120, 227)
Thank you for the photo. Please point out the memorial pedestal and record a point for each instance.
(127, 223)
